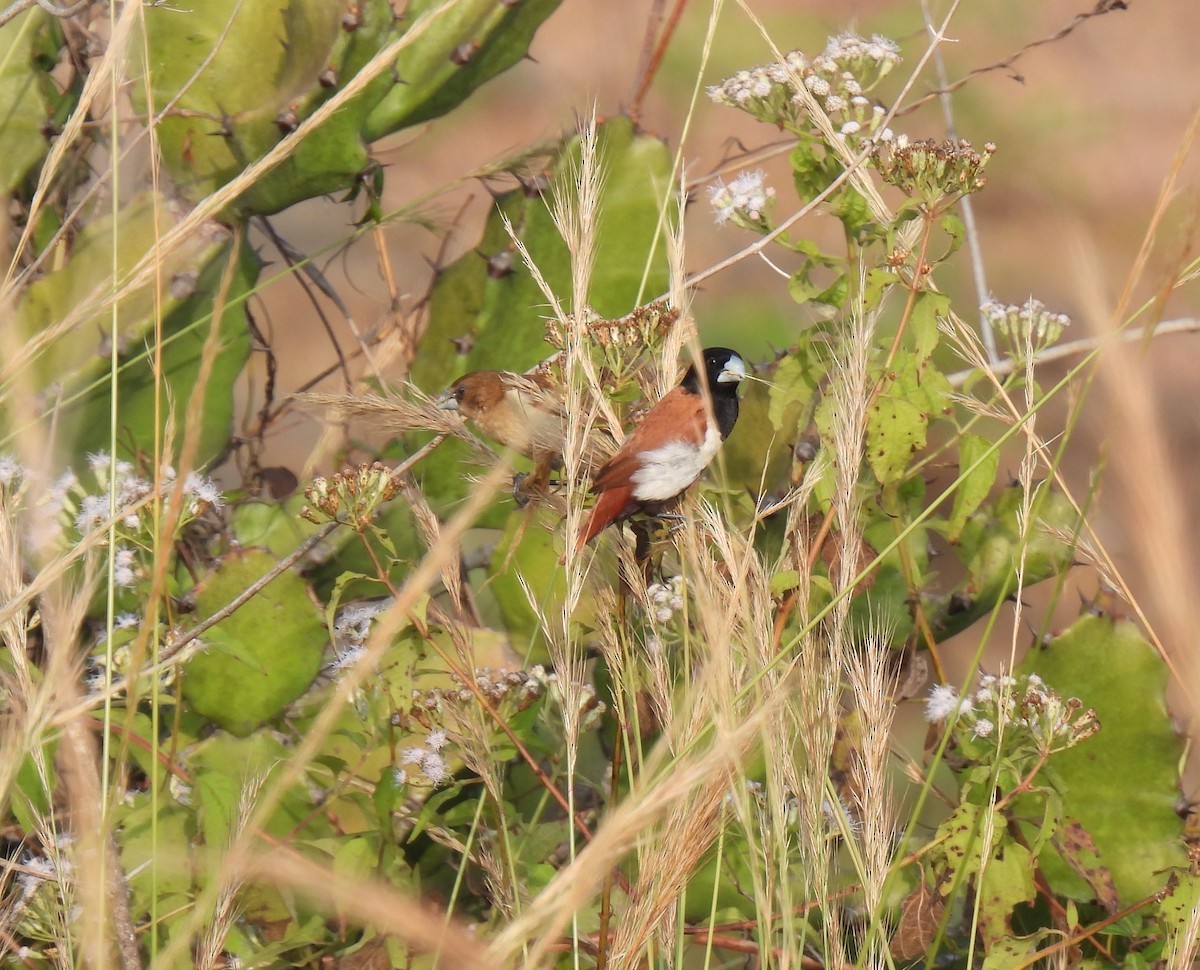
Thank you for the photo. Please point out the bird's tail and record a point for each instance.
(608, 508)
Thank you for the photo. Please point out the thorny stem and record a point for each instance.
(920, 271)
(1101, 7)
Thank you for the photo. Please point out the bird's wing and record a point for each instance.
(678, 416)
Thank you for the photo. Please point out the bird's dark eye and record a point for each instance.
(460, 392)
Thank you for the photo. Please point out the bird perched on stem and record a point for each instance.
(671, 447)
(519, 411)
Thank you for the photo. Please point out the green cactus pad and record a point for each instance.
(263, 655)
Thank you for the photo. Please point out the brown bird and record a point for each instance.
(519, 411)
(671, 447)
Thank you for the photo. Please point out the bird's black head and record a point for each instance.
(724, 369)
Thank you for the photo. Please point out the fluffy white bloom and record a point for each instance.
(942, 702)
(10, 470)
(202, 490)
(93, 510)
(434, 767)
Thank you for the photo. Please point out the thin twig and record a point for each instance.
(297, 260)
(15, 10)
(1101, 7)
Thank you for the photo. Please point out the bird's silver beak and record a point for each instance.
(446, 401)
(733, 371)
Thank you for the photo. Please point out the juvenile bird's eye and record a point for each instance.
(460, 392)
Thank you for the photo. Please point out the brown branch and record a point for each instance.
(652, 59)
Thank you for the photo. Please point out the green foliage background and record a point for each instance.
(408, 719)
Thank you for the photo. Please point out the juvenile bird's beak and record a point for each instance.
(446, 401)
(733, 371)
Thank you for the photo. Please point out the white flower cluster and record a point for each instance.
(1029, 325)
(1025, 705)
(850, 52)
(666, 599)
(130, 490)
(761, 84)
(428, 757)
(119, 494)
(838, 79)
(351, 627)
(36, 871)
(746, 199)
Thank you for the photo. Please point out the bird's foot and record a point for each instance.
(521, 494)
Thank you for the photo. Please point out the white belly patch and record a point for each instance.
(669, 469)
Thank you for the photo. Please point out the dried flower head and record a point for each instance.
(350, 496)
(930, 171)
(642, 328)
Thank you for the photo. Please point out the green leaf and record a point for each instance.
(1012, 952)
(990, 546)
(895, 431)
(274, 526)
(919, 383)
(156, 839)
(958, 841)
(973, 486)
(923, 323)
(526, 557)
(30, 798)
(389, 791)
(953, 227)
(1007, 881)
(355, 857)
(803, 288)
(22, 144)
(1178, 908)
(795, 380)
(784, 582)
(282, 641)
(1130, 771)
(219, 641)
(1078, 850)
